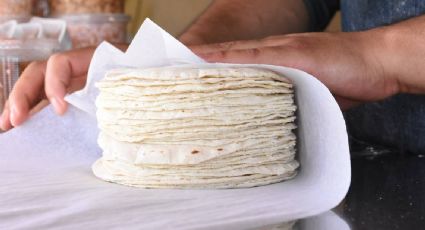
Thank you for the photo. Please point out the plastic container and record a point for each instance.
(91, 29)
(63, 7)
(19, 10)
(15, 55)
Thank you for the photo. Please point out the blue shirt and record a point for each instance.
(397, 122)
(362, 14)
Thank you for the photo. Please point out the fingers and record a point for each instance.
(26, 92)
(244, 44)
(225, 46)
(280, 55)
(5, 121)
(58, 76)
(5, 118)
(60, 71)
(242, 56)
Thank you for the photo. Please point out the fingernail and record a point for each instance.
(57, 104)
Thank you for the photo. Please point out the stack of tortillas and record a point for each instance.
(181, 127)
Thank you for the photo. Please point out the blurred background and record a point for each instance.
(173, 16)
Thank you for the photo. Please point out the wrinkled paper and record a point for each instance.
(45, 165)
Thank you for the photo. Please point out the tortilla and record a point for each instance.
(182, 127)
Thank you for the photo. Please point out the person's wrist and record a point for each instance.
(404, 55)
(379, 49)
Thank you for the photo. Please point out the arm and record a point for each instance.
(405, 54)
(232, 20)
(357, 67)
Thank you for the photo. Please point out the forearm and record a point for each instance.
(402, 53)
(232, 20)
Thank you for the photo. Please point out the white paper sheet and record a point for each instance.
(47, 180)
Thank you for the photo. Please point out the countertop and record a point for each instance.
(387, 191)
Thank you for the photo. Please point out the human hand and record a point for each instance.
(62, 73)
(351, 65)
